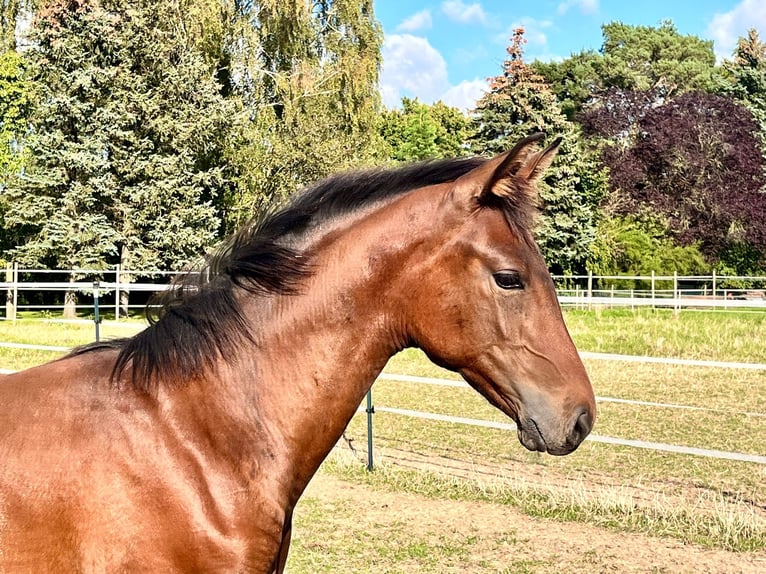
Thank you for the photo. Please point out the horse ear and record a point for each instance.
(516, 171)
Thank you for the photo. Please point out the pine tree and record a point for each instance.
(519, 102)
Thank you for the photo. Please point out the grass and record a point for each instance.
(613, 509)
(733, 392)
(41, 331)
(720, 336)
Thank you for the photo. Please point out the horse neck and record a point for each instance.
(320, 352)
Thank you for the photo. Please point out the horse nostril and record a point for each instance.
(582, 426)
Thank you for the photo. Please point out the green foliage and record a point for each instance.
(645, 57)
(740, 258)
(126, 141)
(520, 102)
(9, 11)
(641, 245)
(633, 58)
(573, 80)
(419, 131)
(310, 95)
(744, 77)
(16, 103)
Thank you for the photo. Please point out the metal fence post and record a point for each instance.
(370, 411)
(117, 292)
(96, 318)
(15, 297)
(10, 309)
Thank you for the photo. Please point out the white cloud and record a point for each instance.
(413, 68)
(464, 13)
(419, 21)
(726, 28)
(585, 6)
(465, 94)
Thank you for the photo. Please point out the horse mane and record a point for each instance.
(199, 319)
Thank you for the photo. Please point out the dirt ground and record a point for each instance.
(535, 545)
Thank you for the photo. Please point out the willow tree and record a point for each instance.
(519, 102)
(311, 95)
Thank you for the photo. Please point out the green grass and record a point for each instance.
(693, 335)
(54, 333)
(729, 337)
(739, 532)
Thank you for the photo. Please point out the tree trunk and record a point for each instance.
(124, 280)
(124, 302)
(70, 302)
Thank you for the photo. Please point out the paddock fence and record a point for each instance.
(51, 292)
(371, 409)
(40, 294)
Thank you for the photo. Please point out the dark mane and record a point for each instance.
(198, 320)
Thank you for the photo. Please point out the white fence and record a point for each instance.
(25, 289)
(675, 291)
(656, 446)
(42, 290)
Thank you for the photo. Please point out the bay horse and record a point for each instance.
(186, 447)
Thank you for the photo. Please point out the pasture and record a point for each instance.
(652, 500)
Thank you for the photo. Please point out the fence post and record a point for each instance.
(714, 282)
(590, 290)
(15, 298)
(370, 411)
(676, 302)
(653, 292)
(96, 318)
(117, 292)
(10, 308)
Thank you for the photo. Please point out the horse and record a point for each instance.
(186, 447)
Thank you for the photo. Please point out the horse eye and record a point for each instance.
(508, 280)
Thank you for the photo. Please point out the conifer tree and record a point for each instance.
(126, 138)
(518, 103)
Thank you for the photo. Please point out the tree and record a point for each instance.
(311, 94)
(695, 161)
(419, 131)
(744, 77)
(641, 245)
(16, 102)
(644, 57)
(633, 58)
(123, 158)
(573, 80)
(518, 103)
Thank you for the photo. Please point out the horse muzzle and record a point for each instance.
(536, 437)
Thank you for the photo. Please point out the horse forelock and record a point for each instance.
(199, 320)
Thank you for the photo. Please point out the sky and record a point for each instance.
(446, 49)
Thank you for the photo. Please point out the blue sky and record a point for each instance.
(446, 49)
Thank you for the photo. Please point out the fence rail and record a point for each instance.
(26, 288)
(662, 447)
